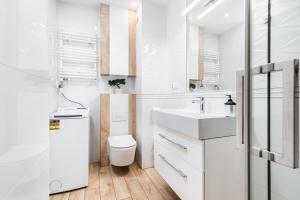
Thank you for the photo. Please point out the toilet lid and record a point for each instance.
(123, 141)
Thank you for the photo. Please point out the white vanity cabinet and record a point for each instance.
(180, 161)
(199, 169)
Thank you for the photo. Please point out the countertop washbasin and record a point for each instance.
(195, 125)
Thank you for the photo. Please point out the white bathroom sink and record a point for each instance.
(195, 125)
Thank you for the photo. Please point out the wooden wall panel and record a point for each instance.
(132, 115)
(201, 54)
(104, 128)
(132, 42)
(105, 48)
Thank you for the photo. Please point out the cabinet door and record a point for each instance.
(118, 41)
(223, 165)
(184, 179)
(119, 34)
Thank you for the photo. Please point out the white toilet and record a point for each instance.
(121, 150)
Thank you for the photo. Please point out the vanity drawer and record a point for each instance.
(182, 178)
(188, 149)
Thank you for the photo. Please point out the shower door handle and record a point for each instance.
(240, 77)
(290, 133)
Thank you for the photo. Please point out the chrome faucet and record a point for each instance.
(201, 101)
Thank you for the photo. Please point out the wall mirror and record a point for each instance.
(215, 43)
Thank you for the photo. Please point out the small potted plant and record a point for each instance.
(192, 86)
(116, 84)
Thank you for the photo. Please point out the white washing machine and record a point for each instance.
(69, 150)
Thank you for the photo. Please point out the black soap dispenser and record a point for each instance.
(230, 107)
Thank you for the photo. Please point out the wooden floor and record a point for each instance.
(112, 183)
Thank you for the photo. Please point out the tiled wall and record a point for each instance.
(24, 99)
(161, 64)
(82, 19)
(232, 55)
(86, 19)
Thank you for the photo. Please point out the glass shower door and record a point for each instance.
(271, 118)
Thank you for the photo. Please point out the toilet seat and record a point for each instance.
(121, 142)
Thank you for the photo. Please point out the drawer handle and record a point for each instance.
(183, 175)
(179, 145)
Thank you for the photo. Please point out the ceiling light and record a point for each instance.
(134, 4)
(210, 8)
(227, 14)
(190, 7)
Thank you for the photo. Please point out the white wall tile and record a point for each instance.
(232, 56)
(24, 102)
(33, 38)
(154, 70)
(82, 19)
(176, 43)
(23, 135)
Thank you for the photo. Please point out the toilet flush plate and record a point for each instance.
(119, 116)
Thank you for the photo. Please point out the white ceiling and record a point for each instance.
(215, 22)
(120, 3)
(161, 2)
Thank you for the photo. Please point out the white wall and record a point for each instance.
(211, 42)
(176, 44)
(162, 48)
(152, 74)
(24, 110)
(52, 55)
(85, 19)
(232, 55)
(161, 62)
(77, 18)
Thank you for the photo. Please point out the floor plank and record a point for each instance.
(136, 191)
(94, 181)
(129, 175)
(161, 185)
(62, 196)
(156, 178)
(77, 194)
(92, 194)
(126, 183)
(107, 191)
(169, 194)
(119, 182)
(151, 191)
